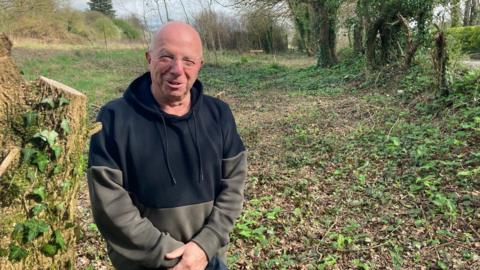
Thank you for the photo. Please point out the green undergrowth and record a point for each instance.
(363, 179)
(348, 168)
(241, 77)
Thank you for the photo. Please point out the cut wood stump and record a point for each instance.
(12, 89)
(44, 122)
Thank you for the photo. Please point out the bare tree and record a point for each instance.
(316, 20)
(455, 11)
(184, 12)
(470, 15)
(166, 9)
(157, 5)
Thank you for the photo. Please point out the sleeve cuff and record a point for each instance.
(209, 241)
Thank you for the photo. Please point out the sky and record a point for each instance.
(124, 8)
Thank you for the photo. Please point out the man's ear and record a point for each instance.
(148, 57)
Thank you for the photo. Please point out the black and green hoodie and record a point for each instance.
(157, 181)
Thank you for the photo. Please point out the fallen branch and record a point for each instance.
(9, 159)
(95, 129)
(220, 94)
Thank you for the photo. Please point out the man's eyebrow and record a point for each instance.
(163, 51)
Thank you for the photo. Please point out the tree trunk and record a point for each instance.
(214, 47)
(385, 42)
(440, 60)
(301, 18)
(474, 12)
(371, 42)
(455, 13)
(358, 38)
(466, 14)
(411, 44)
(219, 41)
(326, 55)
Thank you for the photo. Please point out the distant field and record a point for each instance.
(104, 74)
(100, 74)
(344, 172)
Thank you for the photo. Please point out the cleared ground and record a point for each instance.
(344, 173)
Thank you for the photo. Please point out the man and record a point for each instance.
(166, 173)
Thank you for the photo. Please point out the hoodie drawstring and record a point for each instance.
(200, 162)
(165, 149)
(195, 142)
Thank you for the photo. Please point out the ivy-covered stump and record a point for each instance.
(12, 90)
(41, 163)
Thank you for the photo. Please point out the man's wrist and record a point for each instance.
(208, 241)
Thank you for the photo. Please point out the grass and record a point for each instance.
(344, 172)
(101, 75)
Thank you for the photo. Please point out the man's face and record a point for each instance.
(174, 63)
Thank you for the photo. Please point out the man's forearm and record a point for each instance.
(227, 206)
(119, 221)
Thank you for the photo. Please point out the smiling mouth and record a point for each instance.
(174, 84)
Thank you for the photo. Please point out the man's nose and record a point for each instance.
(176, 67)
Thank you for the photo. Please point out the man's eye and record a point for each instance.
(166, 58)
(189, 63)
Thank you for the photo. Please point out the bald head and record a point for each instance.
(177, 30)
(174, 61)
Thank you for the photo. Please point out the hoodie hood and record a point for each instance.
(139, 95)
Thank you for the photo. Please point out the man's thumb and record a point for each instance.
(176, 253)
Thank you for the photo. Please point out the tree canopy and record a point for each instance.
(103, 6)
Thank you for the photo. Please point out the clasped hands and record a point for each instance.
(192, 257)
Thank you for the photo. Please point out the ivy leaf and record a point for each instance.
(464, 173)
(41, 160)
(362, 179)
(17, 253)
(37, 209)
(34, 228)
(60, 207)
(395, 141)
(442, 265)
(3, 252)
(48, 136)
(59, 240)
(31, 173)
(39, 193)
(57, 169)
(92, 227)
(65, 126)
(29, 118)
(48, 101)
(66, 186)
(49, 250)
(17, 233)
(57, 150)
(63, 101)
(27, 154)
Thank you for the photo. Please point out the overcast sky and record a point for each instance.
(124, 8)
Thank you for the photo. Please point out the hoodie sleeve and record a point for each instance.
(228, 204)
(118, 219)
